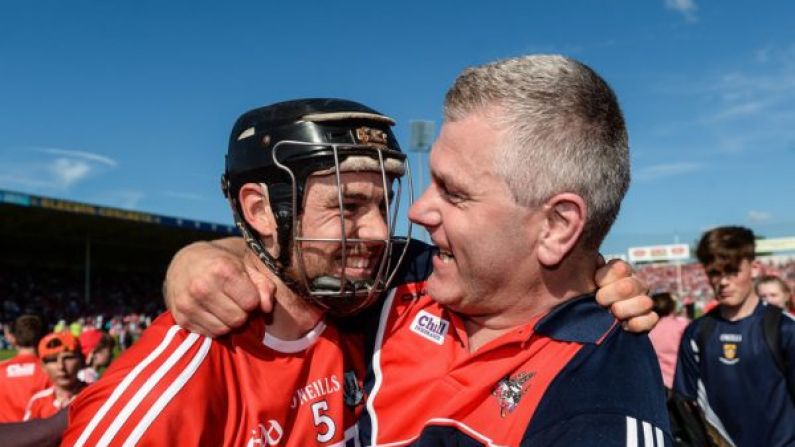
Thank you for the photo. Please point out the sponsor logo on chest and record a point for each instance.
(431, 327)
(20, 370)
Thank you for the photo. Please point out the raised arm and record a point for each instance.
(626, 296)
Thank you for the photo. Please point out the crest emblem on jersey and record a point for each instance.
(352, 393)
(729, 354)
(509, 391)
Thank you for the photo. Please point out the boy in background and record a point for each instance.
(21, 376)
(60, 353)
(725, 362)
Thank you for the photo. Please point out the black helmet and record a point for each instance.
(281, 145)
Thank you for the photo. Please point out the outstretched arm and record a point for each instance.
(209, 291)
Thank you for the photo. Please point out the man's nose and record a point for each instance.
(372, 225)
(423, 211)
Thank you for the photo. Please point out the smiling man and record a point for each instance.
(504, 343)
(309, 184)
(494, 337)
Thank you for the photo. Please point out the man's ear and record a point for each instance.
(256, 207)
(757, 269)
(564, 220)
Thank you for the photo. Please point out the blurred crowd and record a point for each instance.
(120, 304)
(695, 289)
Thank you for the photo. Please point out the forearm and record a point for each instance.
(34, 433)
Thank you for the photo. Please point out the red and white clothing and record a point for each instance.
(44, 404)
(21, 377)
(571, 377)
(174, 387)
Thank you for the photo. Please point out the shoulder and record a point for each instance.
(167, 368)
(42, 394)
(787, 328)
(614, 375)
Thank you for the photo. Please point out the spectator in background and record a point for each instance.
(97, 348)
(665, 337)
(725, 362)
(773, 290)
(22, 375)
(62, 358)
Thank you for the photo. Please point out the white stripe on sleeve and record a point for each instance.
(169, 394)
(632, 432)
(133, 403)
(122, 387)
(659, 434)
(648, 437)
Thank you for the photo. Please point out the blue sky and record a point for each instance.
(129, 104)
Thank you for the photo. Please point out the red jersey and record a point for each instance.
(44, 404)
(570, 377)
(174, 387)
(21, 377)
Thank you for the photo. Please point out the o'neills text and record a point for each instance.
(315, 389)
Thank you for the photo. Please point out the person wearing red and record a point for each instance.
(291, 377)
(97, 346)
(310, 183)
(60, 353)
(503, 343)
(21, 376)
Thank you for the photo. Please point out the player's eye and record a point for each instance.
(451, 196)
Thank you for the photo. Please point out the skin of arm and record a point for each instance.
(36, 432)
(209, 290)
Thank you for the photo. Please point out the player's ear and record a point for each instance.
(255, 204)
(563, 222)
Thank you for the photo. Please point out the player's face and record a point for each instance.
(481, 232)
(732, 285)
(363, 216)
(62, 368)
(773, 294)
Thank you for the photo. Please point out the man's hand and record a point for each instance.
(626, 296)
(209, 290)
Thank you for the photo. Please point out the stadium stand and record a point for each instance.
(67, 260)
(664, 278)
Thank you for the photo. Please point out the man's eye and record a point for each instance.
(350, 207)
(452, 197)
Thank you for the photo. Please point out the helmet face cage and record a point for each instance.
(341, 296)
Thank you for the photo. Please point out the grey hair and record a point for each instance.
(564, 132)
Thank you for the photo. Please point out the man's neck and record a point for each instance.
(556, 286)
(292, 316)
(65, 395)
(26, 351)
(734, 313)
